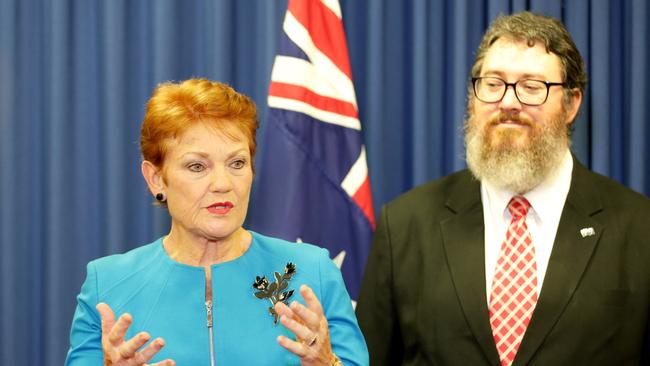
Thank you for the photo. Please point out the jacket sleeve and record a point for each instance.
(86, 332)
(376, 310)
(345, 336)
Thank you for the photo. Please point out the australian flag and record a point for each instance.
(312, 183)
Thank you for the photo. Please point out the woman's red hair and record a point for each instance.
(174, 107)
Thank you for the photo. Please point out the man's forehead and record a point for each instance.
(521, 59)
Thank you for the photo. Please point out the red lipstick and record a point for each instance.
(220, 208)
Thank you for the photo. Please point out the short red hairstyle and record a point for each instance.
(174, 107)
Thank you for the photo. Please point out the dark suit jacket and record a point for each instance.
(423, 298)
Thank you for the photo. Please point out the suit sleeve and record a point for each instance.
(645, 350)
(376, 310)
(86, 332)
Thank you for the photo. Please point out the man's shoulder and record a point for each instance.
(437, 190)
(613, 193)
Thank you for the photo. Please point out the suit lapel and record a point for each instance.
(569, 258)
(463, 241)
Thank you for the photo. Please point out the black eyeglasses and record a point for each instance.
(527, 91)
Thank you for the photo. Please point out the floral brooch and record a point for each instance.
(275, 291)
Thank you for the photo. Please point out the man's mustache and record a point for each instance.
(514, 117)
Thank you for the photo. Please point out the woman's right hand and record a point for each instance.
(121, 352)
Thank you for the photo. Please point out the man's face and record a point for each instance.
(509, 123)
(515, 145)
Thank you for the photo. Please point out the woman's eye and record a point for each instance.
(196, 167)
(238, 164)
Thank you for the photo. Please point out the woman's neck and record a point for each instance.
(187, 248)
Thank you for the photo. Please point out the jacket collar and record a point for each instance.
(463, 242)
(575, 242)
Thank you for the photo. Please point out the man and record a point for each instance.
(527, 258)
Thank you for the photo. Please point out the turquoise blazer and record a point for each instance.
(167, 299)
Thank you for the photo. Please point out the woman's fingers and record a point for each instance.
(114, 332)
(311, 300)
(150, 350)
(309, 325)
(301, 331)
(304, 321)
(310, 314)
(119, 350)
(297, 348)
(292, 321)
(116, 335)
(299, 320)
(307, 316)
(107, 316)
(129, 348)
(283, 310)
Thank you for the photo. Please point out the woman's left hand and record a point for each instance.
(309, 324)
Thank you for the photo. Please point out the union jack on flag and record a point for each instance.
(312, 183)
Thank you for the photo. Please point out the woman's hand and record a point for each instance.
(121, 352)
(308, 323)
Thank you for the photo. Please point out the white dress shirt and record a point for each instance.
(546, 200)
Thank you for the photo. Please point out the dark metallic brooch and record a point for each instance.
(275, 291)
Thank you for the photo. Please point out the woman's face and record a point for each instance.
(207, 179)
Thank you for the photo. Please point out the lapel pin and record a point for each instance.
(587, 231)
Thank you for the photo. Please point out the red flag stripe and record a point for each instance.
(303, 94)
(315, 17)
(363, 198)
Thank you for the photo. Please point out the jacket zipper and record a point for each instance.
(208, 310)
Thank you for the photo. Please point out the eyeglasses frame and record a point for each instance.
(548, 84)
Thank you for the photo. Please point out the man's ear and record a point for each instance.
(153, 176)
(574, 106)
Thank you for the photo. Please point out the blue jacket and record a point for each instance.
(167, 299)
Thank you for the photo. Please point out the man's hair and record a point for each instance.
(531, 28)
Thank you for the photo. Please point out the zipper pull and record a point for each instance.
(208, 309)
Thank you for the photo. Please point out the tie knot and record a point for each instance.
(518, 206)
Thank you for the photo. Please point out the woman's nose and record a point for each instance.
(220, 181)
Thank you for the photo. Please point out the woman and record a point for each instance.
(211, 292)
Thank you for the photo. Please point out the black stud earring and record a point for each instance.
(160, 197)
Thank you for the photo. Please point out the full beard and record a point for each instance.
(493, 155)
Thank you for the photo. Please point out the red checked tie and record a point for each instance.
(514, 287)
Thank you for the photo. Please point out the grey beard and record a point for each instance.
(516, 169)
